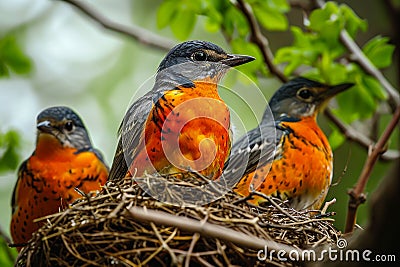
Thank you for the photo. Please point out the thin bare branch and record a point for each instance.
(141, 35)
(356, 194)
(207, 229)
(358, 137)
(258, 38)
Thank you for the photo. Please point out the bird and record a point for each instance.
(287, 156)
(63, 166)
(181, 125)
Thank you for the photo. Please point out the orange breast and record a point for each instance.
(301, 172)
(46, 184)
(188, 129)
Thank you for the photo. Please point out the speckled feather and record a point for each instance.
(48, 178)
(179, 79)
(292, 159)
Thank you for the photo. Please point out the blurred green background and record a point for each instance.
(75, 62)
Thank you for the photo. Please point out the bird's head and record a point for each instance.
(199, 60)
(302, 97)
(63, 124)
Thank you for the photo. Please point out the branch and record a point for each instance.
(261, 41)
(362, 60)
(356, 194)
(359, 57)
(207, 229)
(257, 37)
(141, 35)
(358, 137)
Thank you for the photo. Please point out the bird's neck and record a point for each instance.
(311, 123)
(48, 147)
(172, 79)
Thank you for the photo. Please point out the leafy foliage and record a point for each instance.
(179, 15)
(316, 51)
(270, 14)
(9, 150)
(12, 58)
(319, 49)
(7, 255)
(379, 51)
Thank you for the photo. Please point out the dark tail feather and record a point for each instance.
(119, 167)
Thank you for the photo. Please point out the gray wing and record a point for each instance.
(14, 197)
(132, 126)
(130, 132)
(258, 146)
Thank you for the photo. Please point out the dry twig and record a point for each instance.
(356, 194)
(141, 35)
(146, 231)
(359, 137)
(260, 40)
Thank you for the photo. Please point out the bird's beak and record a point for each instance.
(44, 126)
(236, 60)
(336, 89)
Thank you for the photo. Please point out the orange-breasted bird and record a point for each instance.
(288, 155)
(63, 160)
(182, 124)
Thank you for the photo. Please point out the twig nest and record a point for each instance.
(124, 226)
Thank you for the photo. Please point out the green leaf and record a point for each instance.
(7, 255)
(279, 5)
(313, 74)
(368, 102)
(229, 21)
(212, 26)
(270, 19)
(374, 87)
(347, 101)
(3, 69)
(290, 55)
(300, 38)
(240, 46)
(339, 70)
(305, 51)
(214, 20)
(379, 51)
(327, 22)
(12, 57)
(165, 13)
(327, 25)
(239, 21)
(320, 17)
(357, 96)
(183, 23)
(336, 139)
(223, 14)
(353, 22)
(270, 14)
(9, 146)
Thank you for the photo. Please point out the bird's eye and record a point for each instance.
(69, 126)
(199, 56)
(305, 94)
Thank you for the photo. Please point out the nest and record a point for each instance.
(124, 226)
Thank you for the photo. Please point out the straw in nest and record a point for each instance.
(124, 226)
